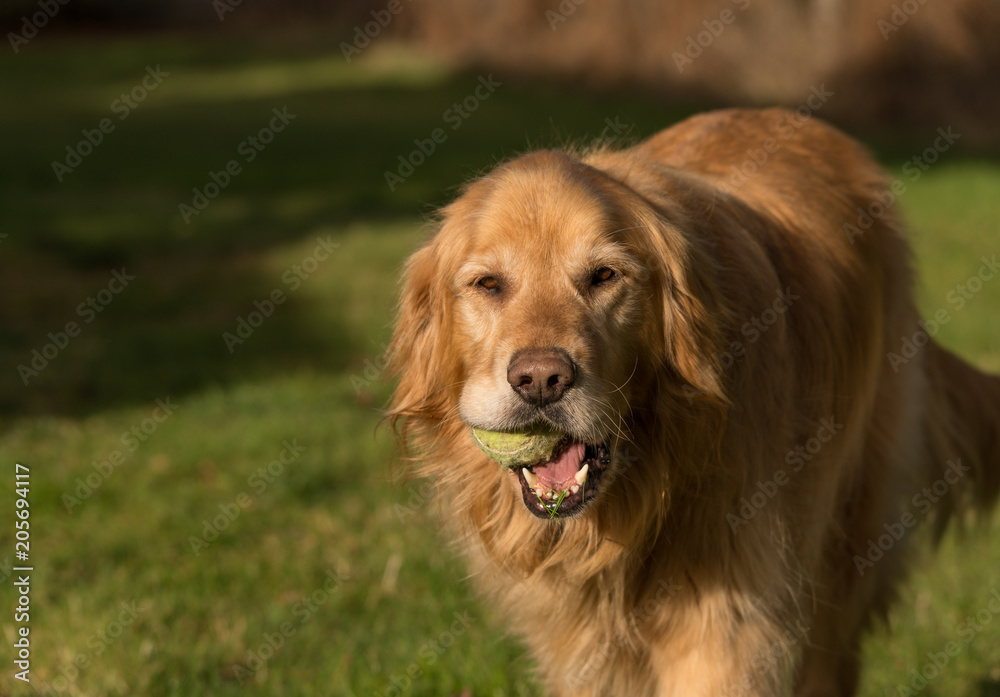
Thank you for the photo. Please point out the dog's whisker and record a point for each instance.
(620, 388)
(615, 426)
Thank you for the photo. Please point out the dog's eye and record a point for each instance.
(602, 276)
(491, 284)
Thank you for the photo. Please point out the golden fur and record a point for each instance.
(742, 320)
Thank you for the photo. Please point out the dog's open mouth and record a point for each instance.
(565, 484)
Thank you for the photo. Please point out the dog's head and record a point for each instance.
(554, 294)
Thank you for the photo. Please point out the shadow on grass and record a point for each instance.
(161, 335)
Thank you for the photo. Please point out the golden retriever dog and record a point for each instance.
(720, 322)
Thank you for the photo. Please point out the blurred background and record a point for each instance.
(204, 208)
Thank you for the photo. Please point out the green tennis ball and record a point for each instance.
(523, 448)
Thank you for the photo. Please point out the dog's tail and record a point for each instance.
(963, 428)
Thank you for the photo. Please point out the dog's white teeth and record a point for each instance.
(530, 477)
(581, 475)
(574, 489)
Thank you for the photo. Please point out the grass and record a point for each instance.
(315, 573)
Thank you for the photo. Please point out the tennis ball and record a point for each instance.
(522, 448)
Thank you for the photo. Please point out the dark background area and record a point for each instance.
(892, 63)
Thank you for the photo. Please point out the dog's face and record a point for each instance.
(548, 301)
(543, 298)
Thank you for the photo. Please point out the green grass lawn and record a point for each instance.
(219, 517)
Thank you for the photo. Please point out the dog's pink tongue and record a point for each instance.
(558, 474)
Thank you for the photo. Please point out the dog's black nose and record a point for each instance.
(540, 376)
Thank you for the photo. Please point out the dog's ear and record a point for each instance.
(422, 352)
(689, 301)
(418, 347)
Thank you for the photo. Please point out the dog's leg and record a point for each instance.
(724, 649)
